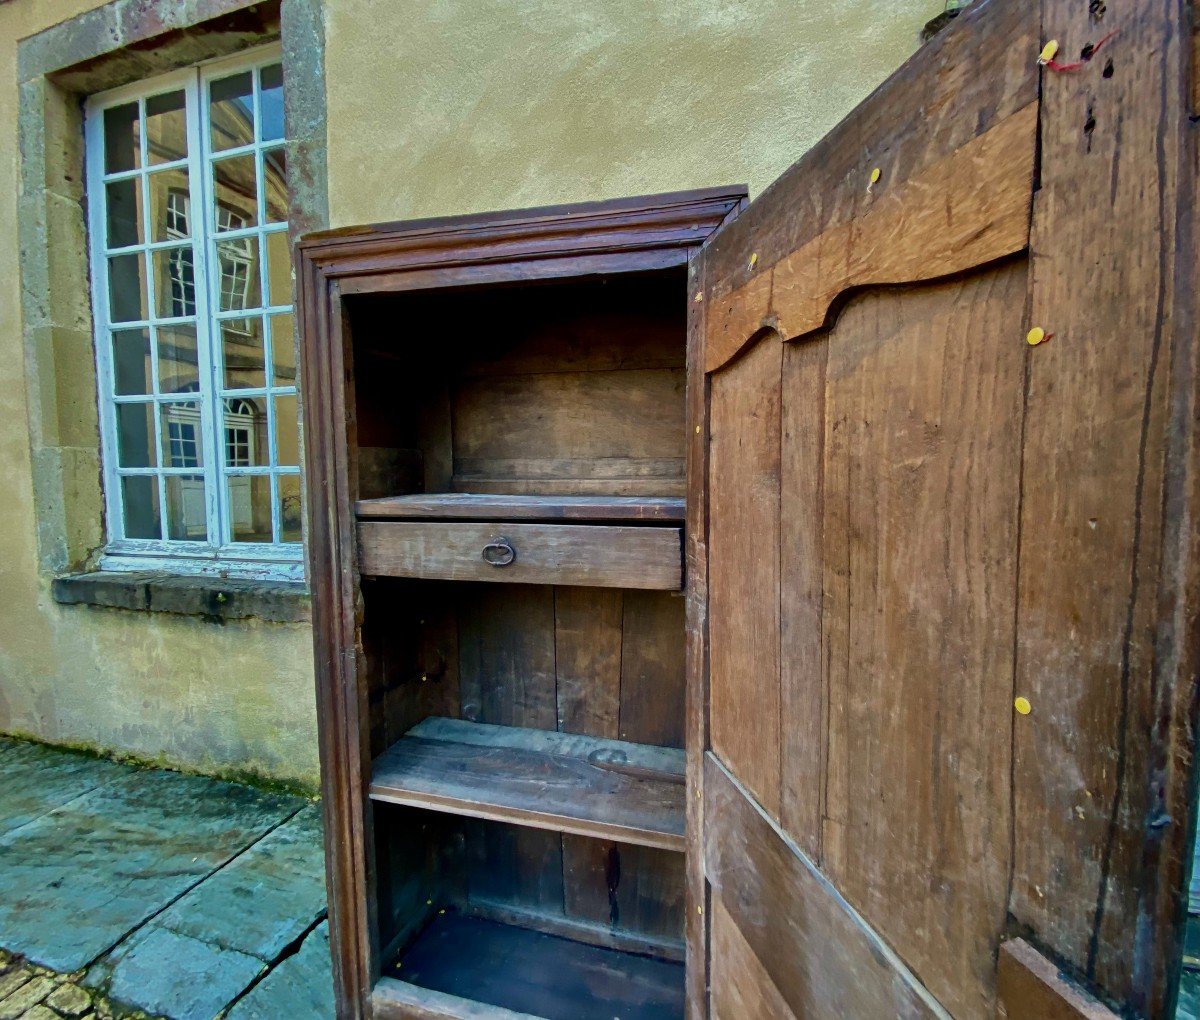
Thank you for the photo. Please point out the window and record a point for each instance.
(194, 331)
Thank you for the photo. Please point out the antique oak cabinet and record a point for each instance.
(783, 609)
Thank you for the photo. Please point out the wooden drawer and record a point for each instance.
(584, 554)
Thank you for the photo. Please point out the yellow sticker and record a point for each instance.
(697, 430)
(699, 296)
(1022, 705)
(1035, 336)
(753, 260)
(1048, 51)
(875, 175)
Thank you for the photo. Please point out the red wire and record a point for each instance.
(1054, 65)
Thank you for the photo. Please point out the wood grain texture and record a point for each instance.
(652, 668)
(1031, 986)
(743, 564)
(741, 988)
(922, 476)
(398, 1000)
(568, 554)
(491, 507)
(969, 208)
(1106, 636)
(588, 637)
(542, 780)
(818, 954)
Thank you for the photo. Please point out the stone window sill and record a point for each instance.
(214, 598)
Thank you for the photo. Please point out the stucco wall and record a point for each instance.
(453, 106)
(434, 108)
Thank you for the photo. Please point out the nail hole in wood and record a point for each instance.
(1089, 126)
(1108, 69)
(1096, 9)
(1087, 52)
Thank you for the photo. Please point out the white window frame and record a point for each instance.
(219, 554)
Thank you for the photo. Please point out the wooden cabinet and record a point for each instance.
(728, 611)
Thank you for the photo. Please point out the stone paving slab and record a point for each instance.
(37, 779)
(76, 880)
(264, 900)
(300, 988)
(163, 972)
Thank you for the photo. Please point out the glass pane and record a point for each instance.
(187, 515)
(270, 103)
(131, 361)
(127, 288)
(174, 282)
(166, 128)
(170, 205)
(121, 142)
(291, 508)
(236, 193)
(242, 347)
(181, 436)
(275, 185)
(249, 507)
(237, 274)
(287, 431)
(124, 201)
(139, 497)
(178, 360)
(279, 268)
(135, 435)
(245, 433)
(283, 350)
(231, 111)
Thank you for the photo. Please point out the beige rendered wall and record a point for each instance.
(453, 106)
(434, 108)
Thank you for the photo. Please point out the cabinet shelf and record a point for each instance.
(462, 966)
(464, 506)
(610, 789)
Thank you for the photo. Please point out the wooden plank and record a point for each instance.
(542, 974)
(743, 550)
(587, 659)
(741, 988)
(538, 779)
(588, 416)
(506, 656)
(569, 554)
(803, 675)
(920, 544)
(967, 209)
(957, 86)
(1031, 986)
(821, 957)
(398, 1000)
(573, 927)
(1105, 641)
(652, 669)
(490, 507)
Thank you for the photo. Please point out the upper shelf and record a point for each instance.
(479, 507)
(610, 789)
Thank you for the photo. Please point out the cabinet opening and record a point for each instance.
(542, 923)
(559, 388)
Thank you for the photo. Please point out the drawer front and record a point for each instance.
(586, 554)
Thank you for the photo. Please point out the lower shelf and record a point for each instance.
(535, 974)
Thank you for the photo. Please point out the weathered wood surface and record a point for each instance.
(966, 209)
(400, 1000)
(1031, 986)
(537, 778)
(820, 957)
(569, 554)
(1106, 622)
(488, 507)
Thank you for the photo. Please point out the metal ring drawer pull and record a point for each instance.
(499, 552)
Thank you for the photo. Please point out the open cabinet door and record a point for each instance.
(942, 580)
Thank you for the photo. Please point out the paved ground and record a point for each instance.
(127, 892)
